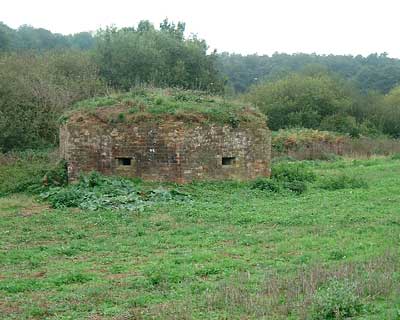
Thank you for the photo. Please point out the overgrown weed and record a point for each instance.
(342, 181)
(286, 176)
(95, 192)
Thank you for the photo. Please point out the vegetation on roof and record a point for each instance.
(150, 103)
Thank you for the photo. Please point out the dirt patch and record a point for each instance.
(34, 209)
(40, 274)
(22, 205)
(162, 217)
(8, 309)
(118, 276)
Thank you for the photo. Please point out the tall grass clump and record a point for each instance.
(342, 182)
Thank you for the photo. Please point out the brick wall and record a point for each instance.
(167, 151)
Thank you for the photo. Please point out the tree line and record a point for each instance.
(29, 38)
(42, 74)
(375, 72)
(239, 72)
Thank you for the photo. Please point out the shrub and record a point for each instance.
(286, 176)
(277, 186)
(307, 144)
(291, 172)
(341, 123)
(57, 176)
(396, 156)
(24, 171)
(298, 187)
(342, 182)
(338, 300)
(301, 100)
(34, 91)
(266, 185)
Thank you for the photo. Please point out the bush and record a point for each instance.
(338, 300)
(341, 123)
(342, 182)
(286, 140)
(267, 185)
(278, 186)
(35, 89)
(300, 100)
(298, 187)
(286, 176)
(396, 156)
(290, 172)
(24, 171)
(57, 176)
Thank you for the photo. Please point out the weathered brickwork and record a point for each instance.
(167, 151)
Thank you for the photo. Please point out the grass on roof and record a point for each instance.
(182, 104)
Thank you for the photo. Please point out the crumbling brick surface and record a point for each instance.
(166, 151)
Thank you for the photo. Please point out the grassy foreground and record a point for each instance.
(228, 252)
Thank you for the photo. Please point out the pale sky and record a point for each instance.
(251, 26)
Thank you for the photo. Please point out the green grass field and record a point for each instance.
(226, 252)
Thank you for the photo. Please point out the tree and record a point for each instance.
(177, 31)
(164, 57)
(301, 100)
(81, 41)
(389, 114)
(35, 89)
(5, 37)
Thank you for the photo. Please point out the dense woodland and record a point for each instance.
(42, 74)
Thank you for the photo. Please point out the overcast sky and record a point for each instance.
(251, 26)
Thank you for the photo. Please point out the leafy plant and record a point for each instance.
(94, 192)
(57, 176)
(338, 300)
